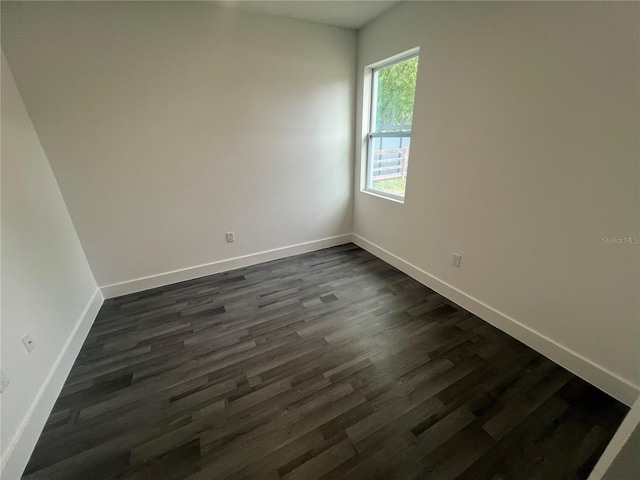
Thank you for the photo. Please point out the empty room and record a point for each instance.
(320, 240)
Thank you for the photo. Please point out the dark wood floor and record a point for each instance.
(326, 365)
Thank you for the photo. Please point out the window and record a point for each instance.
(393, 89)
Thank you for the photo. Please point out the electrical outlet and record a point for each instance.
(231, 237)
(29, 344)
(455, 261)
(4, 382)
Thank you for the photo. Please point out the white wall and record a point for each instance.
(48, 289)
(524, 156)
(168, 124)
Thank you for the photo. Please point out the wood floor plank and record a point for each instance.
(326, 365)
(324, 462)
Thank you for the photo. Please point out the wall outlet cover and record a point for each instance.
(4, 382)
(28, 342)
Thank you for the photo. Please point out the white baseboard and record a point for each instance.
(620, 460)
(167, 278)
(607, 381)
(17, 453)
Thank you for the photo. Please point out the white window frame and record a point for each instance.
(369, 112)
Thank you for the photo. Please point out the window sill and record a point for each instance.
(375, 193)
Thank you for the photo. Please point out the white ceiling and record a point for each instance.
(342, 13)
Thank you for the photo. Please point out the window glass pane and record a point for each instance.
(395, 92)
(388, 161)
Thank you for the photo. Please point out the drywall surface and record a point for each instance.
(524, 160)
(168, 124)
(47, 285)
